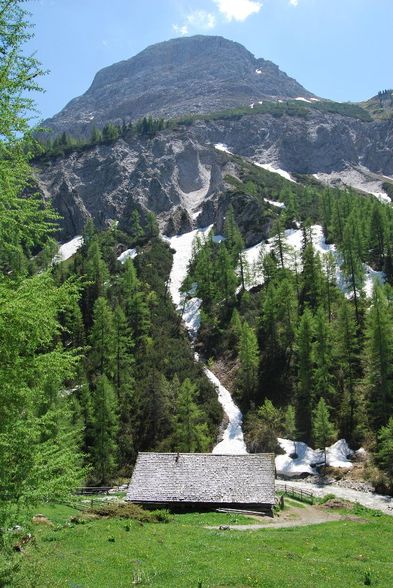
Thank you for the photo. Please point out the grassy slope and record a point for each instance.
(112, 552)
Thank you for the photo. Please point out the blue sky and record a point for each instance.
(338, 49)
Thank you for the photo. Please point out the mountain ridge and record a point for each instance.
(192, 75)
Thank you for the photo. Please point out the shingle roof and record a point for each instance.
(203, 478)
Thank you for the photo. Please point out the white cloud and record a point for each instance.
(238, 9)
(294, 2)
(199, 20)
(180, 29)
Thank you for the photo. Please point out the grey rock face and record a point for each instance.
(171, 175)
(189, 75)
(179, 174)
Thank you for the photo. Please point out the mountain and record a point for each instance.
(177, 172)
(190, 75)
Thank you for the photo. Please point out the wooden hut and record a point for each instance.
(204, 481)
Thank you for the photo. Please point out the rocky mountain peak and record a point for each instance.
(182, 76)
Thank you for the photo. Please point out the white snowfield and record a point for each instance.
(223, 147)
(182, 244)
(275, 170)
(68, 249)
(275, 203)
(302, 99)
(360, 178)
(294, 239)
(127, 254)
(232, 442)
(300, 459)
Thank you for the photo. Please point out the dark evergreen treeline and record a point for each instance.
(138, 387)
(313, 357)
(67, 143)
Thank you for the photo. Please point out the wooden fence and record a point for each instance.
(297, 493)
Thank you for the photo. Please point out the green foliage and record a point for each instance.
(378, 358)
(263, 428)
(105, 429)
(249, 361)
(384, 453)
(39, 455)
(323, 429)
(191, 433)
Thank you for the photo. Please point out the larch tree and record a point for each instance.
(106, 426)
(304, 362)
(322, 427)
(249, 361)
(39, 455)
(191, 433)
(378, 359)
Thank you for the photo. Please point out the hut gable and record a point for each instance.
(195, 478)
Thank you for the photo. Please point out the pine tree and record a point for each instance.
(304, 397)
(191, 433)
(97, 278)
(329, 282)
(160, 410)
(290, 422)
(352, 266)
(311, 278)
(227, 280)
(36, 461)
(323, 379)
(280, 246)
(323, 429)
(106, 426)
(136, 229)
(263, 428)
(384, 452)
(152, 228)
(233, 239)
(378, 359)
(96, 136)
(110, 132)
(346, 352)
(102, 340)
(249, 361)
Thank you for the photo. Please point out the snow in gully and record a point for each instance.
(232, 441)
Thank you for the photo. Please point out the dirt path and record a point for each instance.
(292, 517)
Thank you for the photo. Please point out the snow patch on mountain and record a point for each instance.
(68, 249)
(294, 241)
(300, 459)
(127, 254)
(223, 147)
(275, 203)
(372, 277)
(232, 442)
(359, 178)
(182, 245)
(276, 170)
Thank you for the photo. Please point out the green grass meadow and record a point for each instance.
(183, 553)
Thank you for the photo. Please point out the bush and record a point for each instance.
(326, 498)
(127, 510)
